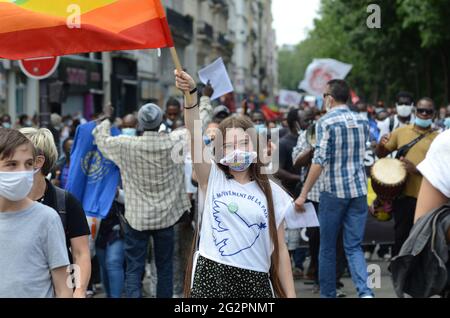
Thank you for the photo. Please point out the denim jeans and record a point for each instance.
(351, 214)
(112, 269)
(136, 245)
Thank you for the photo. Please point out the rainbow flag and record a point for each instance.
(38, 28)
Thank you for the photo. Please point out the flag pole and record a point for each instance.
(176, 61)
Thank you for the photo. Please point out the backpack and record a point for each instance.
(61, 197)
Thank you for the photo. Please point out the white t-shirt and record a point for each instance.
(235, 222)
(385, 125)
(436, 166)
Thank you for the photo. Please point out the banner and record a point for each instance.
(289, 98)
(320, 72)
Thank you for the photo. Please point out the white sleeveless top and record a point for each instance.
(235, 222)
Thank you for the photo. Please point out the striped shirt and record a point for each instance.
(155, 194)
(342, 136)
(301, 148)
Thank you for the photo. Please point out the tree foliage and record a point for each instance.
(411, 50)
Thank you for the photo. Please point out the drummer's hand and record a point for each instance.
(385, 139)
(409, 166)
(300, 204)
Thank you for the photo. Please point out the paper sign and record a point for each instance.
(296, 220)
(217, 75)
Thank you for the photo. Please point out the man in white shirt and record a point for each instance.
(405, 116)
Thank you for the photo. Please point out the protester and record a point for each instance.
(341, 144)
(68, 207)
(435, 169)
(33, 258)
(63, 165)
(173, 112)
(412, 143)
(239, 231)
(150, 179)
(405, 114)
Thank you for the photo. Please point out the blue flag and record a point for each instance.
(92, 179)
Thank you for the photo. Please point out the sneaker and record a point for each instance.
(340, 293)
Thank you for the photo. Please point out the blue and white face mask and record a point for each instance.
(447, 123)
(239, 160)
(423, 123)
(129, 132)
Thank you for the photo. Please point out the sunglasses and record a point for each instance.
(425, 111)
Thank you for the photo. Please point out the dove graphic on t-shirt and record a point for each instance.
(224, 235)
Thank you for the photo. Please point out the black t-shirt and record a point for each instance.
(76, 222)
(287, 144)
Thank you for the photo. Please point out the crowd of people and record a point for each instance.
(192, 226)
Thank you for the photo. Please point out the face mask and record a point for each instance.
(169, 122)
(365, 115)
(447, 123)
(129, 132)
(239, 160)
(207, 140)
(260, 128)
(6, 125)
(404, 110)
(423, 123)
(15, 186)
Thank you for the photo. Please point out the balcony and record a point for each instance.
(182, 26)
(205, 31)
(219, 6)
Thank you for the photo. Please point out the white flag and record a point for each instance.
(289, 98)
(320, 72)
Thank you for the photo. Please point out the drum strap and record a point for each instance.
(403, 151)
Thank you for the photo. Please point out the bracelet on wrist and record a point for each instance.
(193, 91)
(192, 107)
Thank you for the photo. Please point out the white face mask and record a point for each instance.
(132, 132)
(365, 115)
(15, 186)
(404, 110)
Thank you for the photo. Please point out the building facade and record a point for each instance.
(239, 31)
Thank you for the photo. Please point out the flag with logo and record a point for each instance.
(41, 28)
(93, 179)
(320, 72)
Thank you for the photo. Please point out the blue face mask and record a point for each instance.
(447, 123)
(423, 123)
(207, 140)
(260, 128)
(129, 132)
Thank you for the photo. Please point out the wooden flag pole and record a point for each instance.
(176, 61)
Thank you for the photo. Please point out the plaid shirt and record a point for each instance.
(155, 194)
(341, 146)
(302, 147)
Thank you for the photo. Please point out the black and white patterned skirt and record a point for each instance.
(215, 280)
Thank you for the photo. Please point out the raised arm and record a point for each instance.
(202, 167)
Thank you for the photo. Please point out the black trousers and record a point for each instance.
(404, 210)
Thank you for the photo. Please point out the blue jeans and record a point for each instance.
(112, 269)
(351, 214)
(136, 245)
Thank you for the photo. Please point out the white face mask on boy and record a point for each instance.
(15, 186)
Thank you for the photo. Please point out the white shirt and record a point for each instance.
(436, 166)
(385, 125)
(235, 222)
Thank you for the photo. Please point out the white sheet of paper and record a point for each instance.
(295, 220)
(217, 74)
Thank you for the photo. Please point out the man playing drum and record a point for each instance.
(412, 143)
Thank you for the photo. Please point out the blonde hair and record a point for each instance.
(44, 142)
